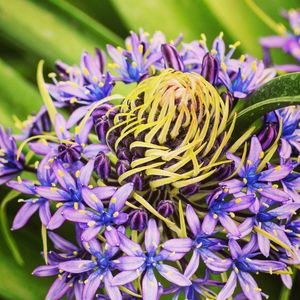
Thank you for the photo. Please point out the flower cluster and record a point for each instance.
(163, 199)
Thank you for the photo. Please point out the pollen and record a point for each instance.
(245, 180)
(238, 200)
(215, 216)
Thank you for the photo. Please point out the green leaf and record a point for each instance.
(41, 30)
(280, 92)
(16, 95)
(172, 17)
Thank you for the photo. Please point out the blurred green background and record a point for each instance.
(55, 29)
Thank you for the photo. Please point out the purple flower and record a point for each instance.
(199, 287)
(137, 262)
(250, 75)
(67, 283)
(204, 246)
(134, 63)
(96, 217)
(243, 264)
(69, 149)
(83, 85)
(68, 193)
(10, 166)
(290, 139)
(99, 267)
(34, 125)
(265, 217)
(254, 181)
(138, 219)
(46, 178)
(288, 42)
(223, 211)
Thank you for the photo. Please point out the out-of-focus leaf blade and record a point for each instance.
(51, 37)
(86, 21)
(280, 92)
(172, 17)
(17, 96)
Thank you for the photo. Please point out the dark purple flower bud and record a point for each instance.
(102, 165)
(122, 166)
(171, 57)
(210, 68)
(267, 135)
(102, 110)
(101, 128)
(138, 219)
(190, 189)
(123, 153)
(165, 208)
(69, 152)
(224, 171)
(138, 181)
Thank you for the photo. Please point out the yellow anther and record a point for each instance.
(60, 173)
(82, 211)
(75, 253)
(238, 200)
(94, 198)
(134, 64)
(73, 100)
(101, 84)
(59, 204)
(245, 180)
(225, 190)
(215, 216)
(36, 164)
(261, 155)
(120, 49)
(19, 180)
(213, 51)
(95, 79)
(76, 205)
(108, 228)
(235, 45)
(260, 189)
(275, 186)
(254, 66)
(249, 162)
(77, 130)
(91, 223)
(278, 168)
(232, 215)
(223, 66)
(236, 270)
(59, 276)
(116, 214)
(129, 47)
(141, 48)
(53, 189)
(86, 71)
(77, 173)
(242, 58)
(51, 75)
(113, 200)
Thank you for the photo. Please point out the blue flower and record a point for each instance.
(10, 166)
(96, 217)
(137, 262)
(243, 264)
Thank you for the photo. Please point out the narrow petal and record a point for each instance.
(228, 288)
(209, 223)
(60, 243)
(249, 286)
(77, 266)
(78, 215)
(52, 193)
(90, 233)
(91, 199)
(91, 286)
(58, 289)
(45, 271)
(229, 225)
(178, 245)
(57, 219)
(235, 249)
(193, 265)
(129, 263)
(112, 237)
(120, 197)
(173, 275)
(112, 291)
(149, 286)
(86, 173)
(152, 236)
(125, 277)
(24, 214)
(62, 175)
(129, 247)
(45, 213)
(193, 220)
(264, 244)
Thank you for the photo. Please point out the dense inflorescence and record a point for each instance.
(164, 199)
